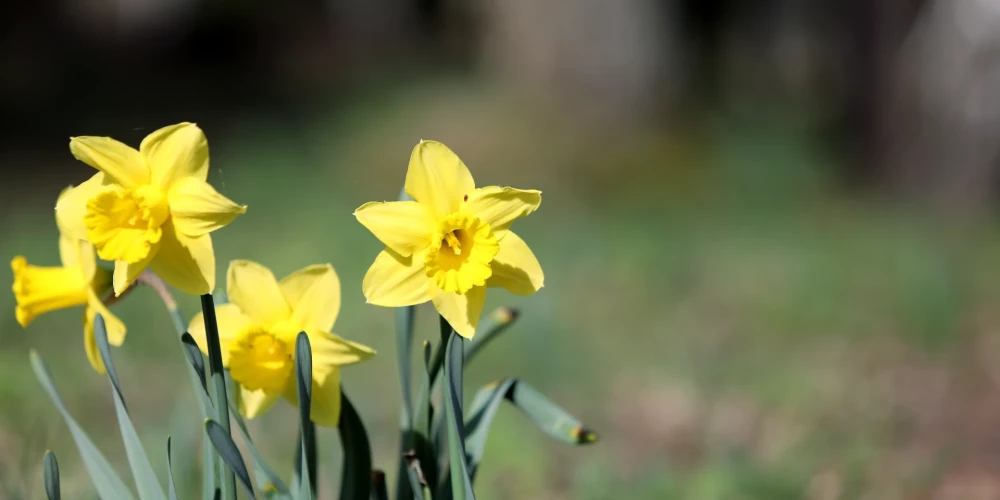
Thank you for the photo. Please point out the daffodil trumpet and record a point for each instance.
(451, 242)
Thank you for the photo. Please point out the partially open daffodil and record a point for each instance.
(150, 207)
(258, 329)
(451, 243)
(78, 282)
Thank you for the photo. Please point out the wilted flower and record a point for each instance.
(150, 207)
(258, 329)
(78, 282)
(451, 243)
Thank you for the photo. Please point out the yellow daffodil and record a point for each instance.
(150, 207)
(258, 329)
(78, 282)
(451, 243)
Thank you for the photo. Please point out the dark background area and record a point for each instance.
(769, 229)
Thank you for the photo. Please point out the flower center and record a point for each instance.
(39, 290)
(460, 253)
(126, 225)
(258, 360)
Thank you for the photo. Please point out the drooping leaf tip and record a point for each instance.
(584, 435)
(506, 314)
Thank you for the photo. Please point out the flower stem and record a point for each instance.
(219, 382)
(153, 281)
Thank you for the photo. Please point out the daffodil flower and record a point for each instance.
(78, 282)
(258, 330)
(450, 244)
(150, 207)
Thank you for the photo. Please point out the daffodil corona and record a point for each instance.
(78, 282)
(150, 207)
(451, 243)
(258, 329)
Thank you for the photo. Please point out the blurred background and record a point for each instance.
(769, 231)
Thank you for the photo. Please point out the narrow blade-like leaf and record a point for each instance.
(498, 321)
(355, 481)
(477, 426)
(461, 482)
(228, 479)
(404, 341)
(379, 490)
(196, 374)
(551, 419)
(142, 471)
(303, 377)
(230, 453)
(51, 474)
(423, 448)
(171, 488)
(268, 481)
(106, 481)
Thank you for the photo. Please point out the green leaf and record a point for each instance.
(422, 448)
(477, 426)
(228, 481)
(230, 454)
(461, 482)
(379, 491)
(106, 481)
(404, 341)
(50, 467)
(355, 481)
(172, 490)
(551, 419)
(142, 471)
(415, 476)
(498, 321)
(303, 377)
(196, 374)
(268, 481)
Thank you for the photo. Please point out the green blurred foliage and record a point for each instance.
(733, 322)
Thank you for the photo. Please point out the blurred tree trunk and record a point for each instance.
(605, 58)
(943, 112)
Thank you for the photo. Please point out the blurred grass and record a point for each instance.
(732, 322)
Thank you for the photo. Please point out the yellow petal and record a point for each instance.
(184, 262)
(231, 322)
(176, 152)
(437, 178)
(501, 206)
(127, 272)
(71, 206)
(90, 342)
(313, 294)
(39, 290)
(253, 403)
(197, 208)
(330, 350)
(461, 310)
(325, 404)
(253, 288)
(404, 226)
(114, 326)
(121, 163)
(516, 268)
(396, 281)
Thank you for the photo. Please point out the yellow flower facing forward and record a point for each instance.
(258, 329)
(78, 282)
(451, 243)
(150, 207)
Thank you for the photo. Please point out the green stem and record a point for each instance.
(219, 382)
